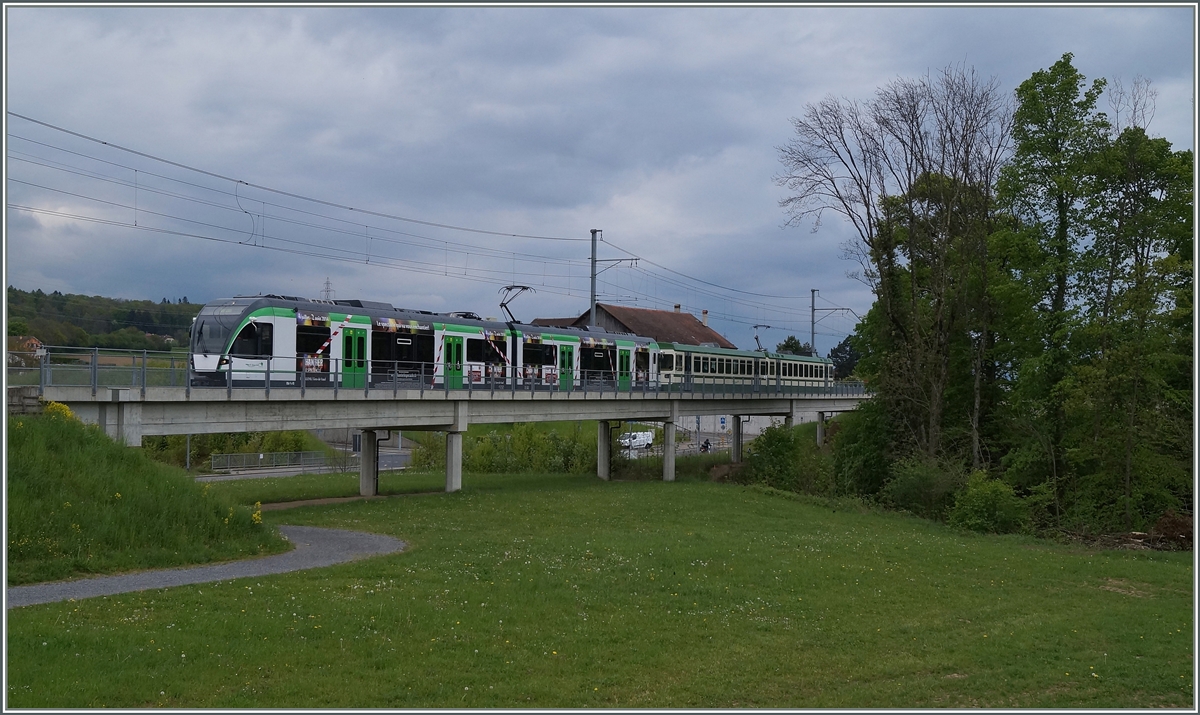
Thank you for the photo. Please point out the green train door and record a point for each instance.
(354, 357)
(623, 373)
(453, 370)
(566, 367)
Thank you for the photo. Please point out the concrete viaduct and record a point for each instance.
(129, 414)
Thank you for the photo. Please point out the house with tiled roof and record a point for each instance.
(661, 325)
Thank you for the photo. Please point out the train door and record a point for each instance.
(623, 381)
(453, 369)
(566, 367)
(354, 357)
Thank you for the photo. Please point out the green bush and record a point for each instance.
(988, 505)
(172, 449)
(526, 448)
(923, 486)
(789, 459)
(861, 450)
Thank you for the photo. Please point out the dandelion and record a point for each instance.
(117, 495)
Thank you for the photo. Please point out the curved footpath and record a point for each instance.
(315, 547)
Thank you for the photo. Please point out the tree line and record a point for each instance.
(1031, 262)
(93, 321)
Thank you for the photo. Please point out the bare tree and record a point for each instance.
(913, 171)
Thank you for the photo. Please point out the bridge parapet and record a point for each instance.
(130, 403)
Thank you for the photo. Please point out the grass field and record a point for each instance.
(537, 591)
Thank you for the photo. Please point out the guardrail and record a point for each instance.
(139, 369)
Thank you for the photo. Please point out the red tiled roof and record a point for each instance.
(554, 322)
(666, 325)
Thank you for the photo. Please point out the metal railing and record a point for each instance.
(139, 369)
(279, 460)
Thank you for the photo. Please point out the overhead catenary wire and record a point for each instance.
(645, 284)
(506, 254)
(280, 192)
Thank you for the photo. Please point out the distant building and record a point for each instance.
(21, 349)
(661, 325)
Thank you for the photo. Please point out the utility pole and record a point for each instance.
(592, 320)
(813, 319)
(812, 322)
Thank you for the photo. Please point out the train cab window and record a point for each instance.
(641, 361)
(666, 362)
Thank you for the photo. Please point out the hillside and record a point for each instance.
(95, 321)
(78, 503)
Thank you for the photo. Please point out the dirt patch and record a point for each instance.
(954, 676)
(277, 506)
(1121, 586)
(725, 472)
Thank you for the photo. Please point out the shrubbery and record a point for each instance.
(923, 486)
(788, 458)
(988, 505)
(172, 449)
(527, 448)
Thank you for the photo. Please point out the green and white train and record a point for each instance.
(287, 341)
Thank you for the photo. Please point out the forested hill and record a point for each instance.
(94, 321)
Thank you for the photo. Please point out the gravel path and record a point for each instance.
(315, 547)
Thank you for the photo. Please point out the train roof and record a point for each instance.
(387, 310)
(708, 349)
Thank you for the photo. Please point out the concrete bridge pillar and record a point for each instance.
(454, 445)
(603, 449)
(790, 420)
(736, 452)
(368, 463)
(454, 441)
(669, 443)
(121, 419)
(820, 429)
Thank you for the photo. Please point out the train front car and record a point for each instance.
(212, 332)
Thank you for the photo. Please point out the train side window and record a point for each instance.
(474, 350)
(641, 361)
(254, 340)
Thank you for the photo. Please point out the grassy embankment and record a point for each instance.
(80, 504)
(528, 591)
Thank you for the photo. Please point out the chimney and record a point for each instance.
(704, 318)
(676, 307)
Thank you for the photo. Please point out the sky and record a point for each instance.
(206, 152)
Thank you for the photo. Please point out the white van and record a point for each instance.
(636, 440)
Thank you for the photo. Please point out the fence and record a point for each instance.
(139, 369)
(315, 461)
